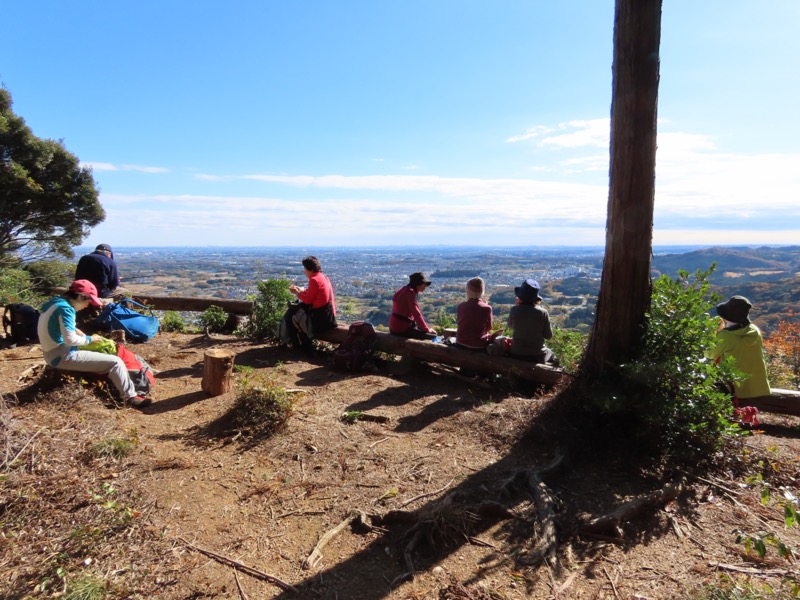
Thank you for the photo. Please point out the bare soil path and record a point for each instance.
(169, 518)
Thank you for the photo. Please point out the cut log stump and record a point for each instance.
(217, 371)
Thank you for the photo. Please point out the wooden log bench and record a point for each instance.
(188, 304)
(785, 402)
(455, 356)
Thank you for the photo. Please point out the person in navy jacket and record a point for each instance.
(99, 268)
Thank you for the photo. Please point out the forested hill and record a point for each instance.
(767, 261)
(769, 276)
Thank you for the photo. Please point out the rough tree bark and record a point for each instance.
(625, 286)
(217, 371)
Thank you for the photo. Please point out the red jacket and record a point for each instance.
(405, 312)
(474, 323)
(319, 292)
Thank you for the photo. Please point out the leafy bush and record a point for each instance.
(16, 286)
(444, 320)
(213, 319)
(172, 321)
(261, 408)
(269, 306)
(47, 275)
(568, 347)
(33, 283)
(670, 394)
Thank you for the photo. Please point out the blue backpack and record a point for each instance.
(138, 327)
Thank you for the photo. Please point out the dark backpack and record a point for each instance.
(354, 351)
(23, 321)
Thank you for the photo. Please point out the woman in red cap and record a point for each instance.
(61, 341)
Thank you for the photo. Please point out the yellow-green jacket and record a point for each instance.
(745, 345)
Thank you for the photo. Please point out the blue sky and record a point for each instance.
(260, 123)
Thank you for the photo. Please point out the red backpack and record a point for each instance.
(353, 352)
(140, 372)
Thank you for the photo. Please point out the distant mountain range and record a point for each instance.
(765, 262)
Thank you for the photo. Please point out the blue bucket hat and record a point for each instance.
(528, 292)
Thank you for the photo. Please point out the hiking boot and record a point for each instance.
(139, 402)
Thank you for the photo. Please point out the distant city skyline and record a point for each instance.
(416, 123)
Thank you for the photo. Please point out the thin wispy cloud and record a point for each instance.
(102, 166)
(571, 134)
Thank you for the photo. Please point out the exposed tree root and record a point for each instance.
(612, 521)
(446, 521)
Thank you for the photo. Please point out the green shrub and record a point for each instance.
(669, 394)
(47, 275)
(33, 283)
(444, 320)
(172, 321)
(16, 286)
(568, 347)
(213, 319)
(269, 306)
(261, 408)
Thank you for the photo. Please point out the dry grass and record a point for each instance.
(71, 524)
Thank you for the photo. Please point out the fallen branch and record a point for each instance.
(241, 566)
(239, 585)
(316, 554)
(421, 496)
(612, 520)
(8, 463)
(753, 571)
(611, 581)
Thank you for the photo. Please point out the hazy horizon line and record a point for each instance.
(452, 246)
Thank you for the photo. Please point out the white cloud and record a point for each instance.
(531, 134)
(102, 166)
(572, 134)
(703, 195)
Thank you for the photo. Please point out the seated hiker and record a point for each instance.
(739, 338)
(100, 269)
(61, 341)
(531, 327)
(317, 312)
(474, 318)
(406, 318)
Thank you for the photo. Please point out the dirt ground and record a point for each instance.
(430, 471)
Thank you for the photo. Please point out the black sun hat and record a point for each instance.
(735, 310)
(416, 279)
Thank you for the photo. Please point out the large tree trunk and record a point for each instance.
(625, 287)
